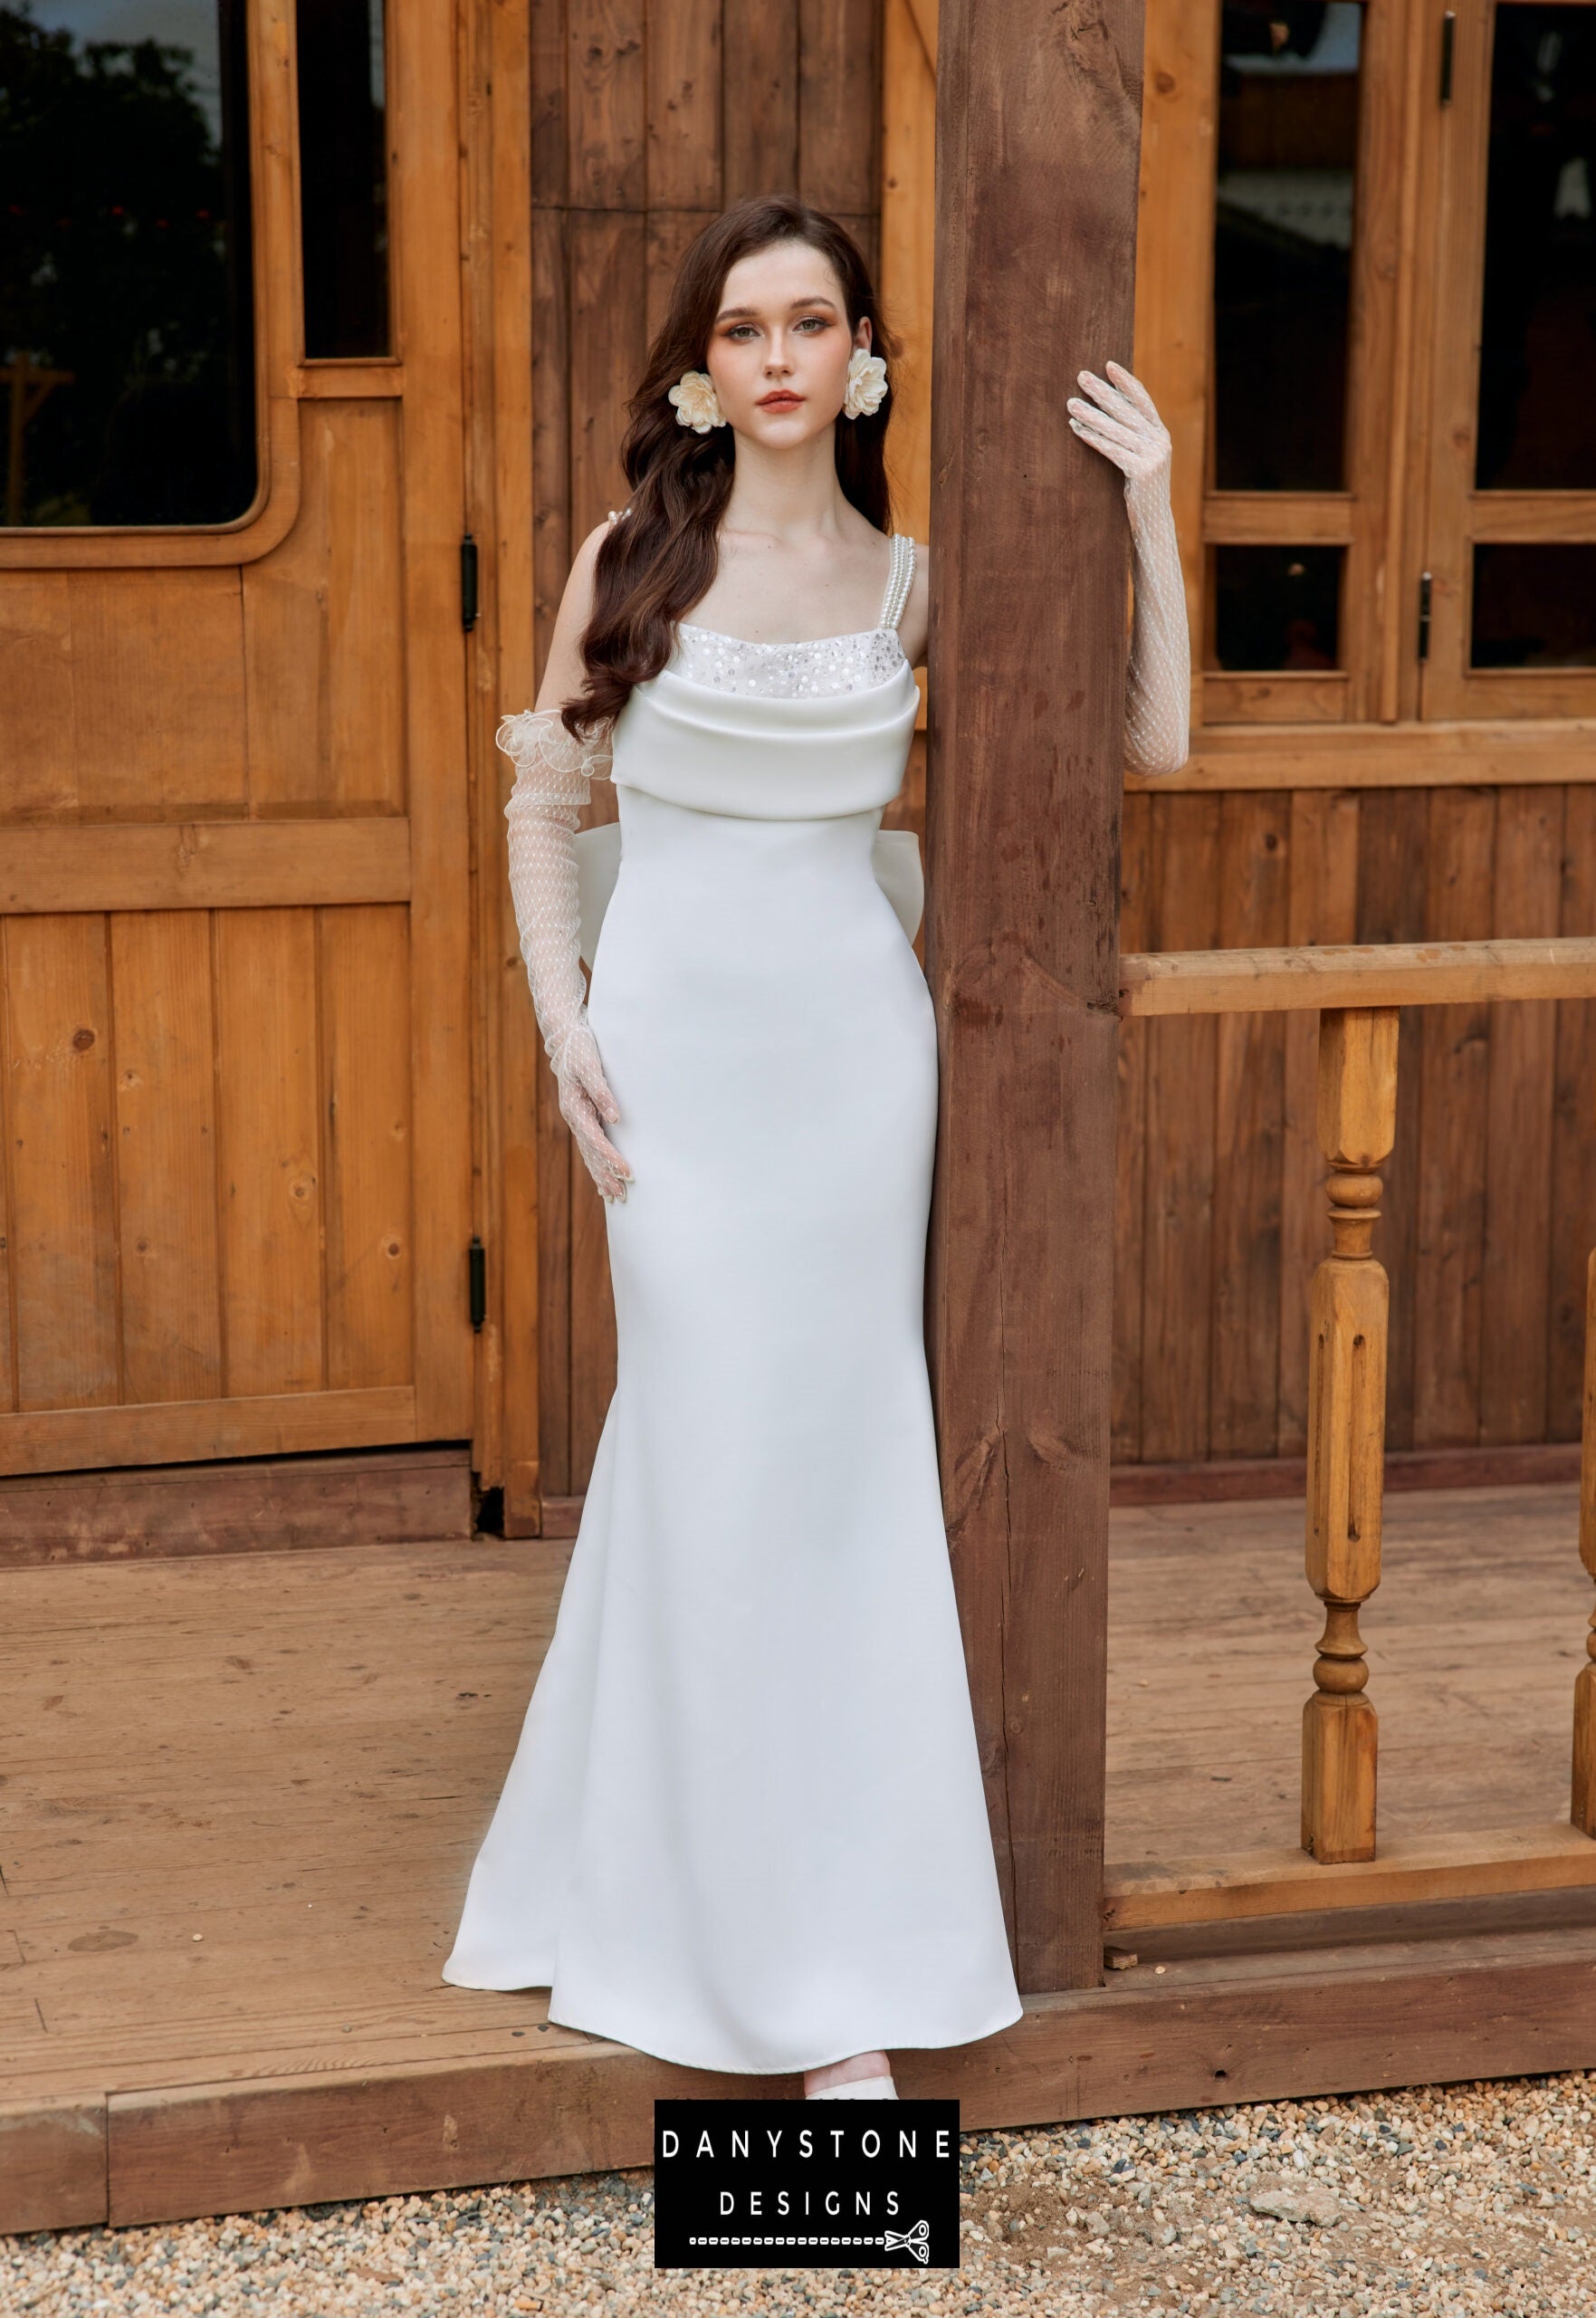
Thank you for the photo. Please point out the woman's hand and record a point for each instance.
(587, 1105)
(1122, 422)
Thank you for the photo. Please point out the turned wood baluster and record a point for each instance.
(1346, 1427)
(1583, 1811)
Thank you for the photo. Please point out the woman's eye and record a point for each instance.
(741, 330)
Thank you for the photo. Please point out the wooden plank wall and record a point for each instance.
(1490, 1208)
(645, 123)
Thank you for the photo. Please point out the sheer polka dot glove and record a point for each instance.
(553, 773)
(1123, 423)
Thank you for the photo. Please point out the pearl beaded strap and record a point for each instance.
(900, 581)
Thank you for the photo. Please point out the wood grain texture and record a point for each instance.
(367, 1139)
(268, 1505)
(1377, 756)
(1420, 1870)
(426, 179)
(1434, 974)
(235, 718)
(38, 756)
(165, 1155)
(1244, 1316)
(1130, 1342)
(551, 550)
(1349, 1324)
(839, 81)
(324, 627)
(1174, 260)
(1515, 1273)
(1178, 1166)
(1473, 1640)
(1020, 935)
(203, 864)
(605, 96)
(683, 86)
(1454, 1058)
(908, 221)
(51, 2163)
(157, 720)
(1322, 874)
(61, 1171)
(271, 1424)
(507, 1422)
(1582, 1808)
(1574, 1135)
(268, 1109)
(271, 2062)
(761, 104)
(8, 1235)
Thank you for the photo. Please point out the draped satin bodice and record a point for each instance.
(759, 758)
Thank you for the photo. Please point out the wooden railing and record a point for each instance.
(1357, 990)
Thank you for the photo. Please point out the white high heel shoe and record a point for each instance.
(858, 2088)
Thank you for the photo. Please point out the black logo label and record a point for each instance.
(806, 2185)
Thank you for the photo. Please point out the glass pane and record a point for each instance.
(126, 342)
(1538, 373)
(1535, 607)
(343, 176)
(1288, 137)
(1277, 607)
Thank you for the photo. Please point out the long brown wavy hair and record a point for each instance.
(653, 566)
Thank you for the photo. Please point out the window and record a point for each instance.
(343, 177)
(126, 312)
(1398, 517)
(1283, 242)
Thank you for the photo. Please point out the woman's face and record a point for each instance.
(779, 352)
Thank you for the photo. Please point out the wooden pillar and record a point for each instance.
(1583, 1810)
(1346, 1427)
(1039, 115)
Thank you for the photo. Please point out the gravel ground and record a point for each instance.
(1464, 2198)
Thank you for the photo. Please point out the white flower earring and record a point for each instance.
(866, 384)
(698, 404)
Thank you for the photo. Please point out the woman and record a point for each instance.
(745, 1828)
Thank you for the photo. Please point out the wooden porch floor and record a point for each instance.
(243, 1795)
(1473, 1639)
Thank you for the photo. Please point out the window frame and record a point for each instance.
(1408, 506)
(283, 377)
(1459, 517)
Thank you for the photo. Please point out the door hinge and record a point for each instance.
(1448, 42)
(468, 583)
(478, 1259)
(1424, 614)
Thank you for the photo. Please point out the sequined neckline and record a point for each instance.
(818, 667)
(792, 644)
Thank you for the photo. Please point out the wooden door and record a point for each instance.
(235, 1206)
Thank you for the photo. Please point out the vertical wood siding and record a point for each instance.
(645, 123)
(207, 1156)
(1489, 1210)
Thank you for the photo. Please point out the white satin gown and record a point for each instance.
(744, 1828)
